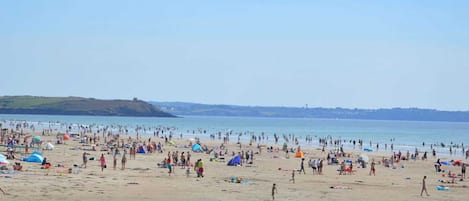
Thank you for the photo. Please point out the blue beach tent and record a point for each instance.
(234, 161)
(196, 148)
(34, 158)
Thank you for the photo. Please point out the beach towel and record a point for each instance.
(368, 149)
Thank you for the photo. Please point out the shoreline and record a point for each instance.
(245, 136)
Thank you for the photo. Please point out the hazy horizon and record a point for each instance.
(360, 54)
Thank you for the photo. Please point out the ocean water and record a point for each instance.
(404, 135)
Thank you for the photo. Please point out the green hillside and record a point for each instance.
(77, 106)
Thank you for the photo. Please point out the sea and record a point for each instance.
(403, 135)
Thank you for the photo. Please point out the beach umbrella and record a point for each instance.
(36, 139)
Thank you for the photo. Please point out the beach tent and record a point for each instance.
(235, 161)
(367, 149)
(49, 146)
(36, 139)
(364, 157)
(196, 148)
(34, 158)
(299, 154)
(66, 137)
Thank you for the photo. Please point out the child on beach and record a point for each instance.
(102, 160)
(373, 170)
(114, 162)
(274, 190)
(85, 159)
(124, 160)
(188, 172)
(170, 169)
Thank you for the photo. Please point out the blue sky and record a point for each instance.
(354, 54)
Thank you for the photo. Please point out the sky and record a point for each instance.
(352, 54)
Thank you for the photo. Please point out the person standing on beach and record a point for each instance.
(124, 160)
(102, 160)
(114, 164)
(274, 190)
(463, 170)
(424, 186)
(85, 159)
(373, 170)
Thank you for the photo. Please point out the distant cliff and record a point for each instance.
(78, 106)
(404, 114)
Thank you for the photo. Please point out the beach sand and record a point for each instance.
(143, 180)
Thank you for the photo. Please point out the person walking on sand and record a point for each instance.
(424, 186)
(293, 176)
(274, 190)
(302, 166)
(102, 160)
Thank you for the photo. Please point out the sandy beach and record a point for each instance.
(144, 180)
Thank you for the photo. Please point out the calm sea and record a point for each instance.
(404, 135)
